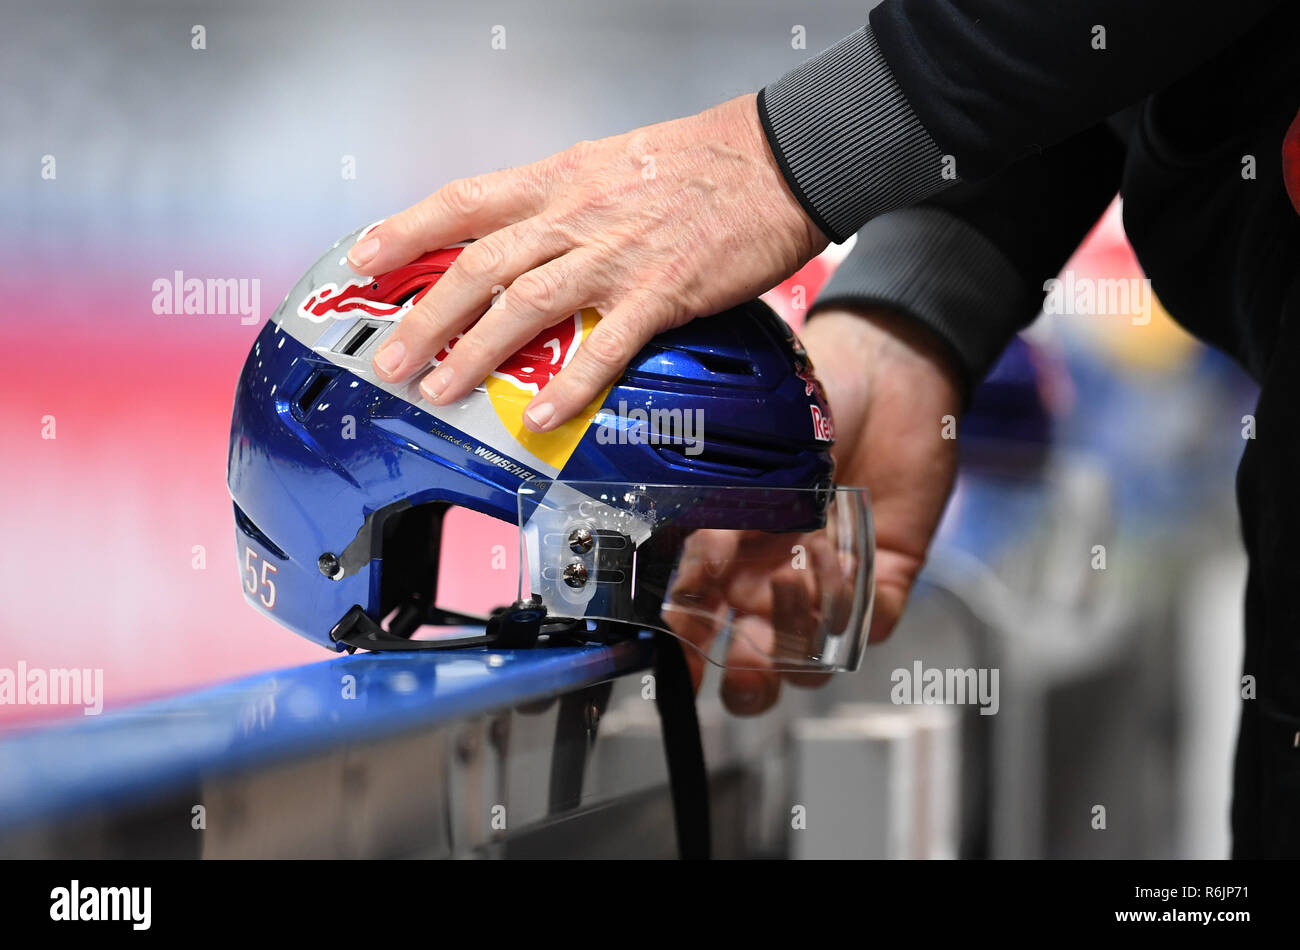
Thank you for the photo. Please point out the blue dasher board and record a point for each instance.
(408, 754)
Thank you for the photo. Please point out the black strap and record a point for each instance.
(574, 735)
(687, 777)
(519, 626)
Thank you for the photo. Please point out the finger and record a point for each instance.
(462, 294)
(751, 588)
(797, 630)
(600, 360)
(750, 692)
(794, 630)
(694, 607)
(836, 572)
(890, 601)
(706, 564)
(895, 574)
(460, 210)
(525, 312)
(749, 685)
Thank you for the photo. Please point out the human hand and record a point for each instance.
(652, 228)
(889, 386)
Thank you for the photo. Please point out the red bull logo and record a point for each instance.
(812, 386)
(516, 381)
(512, 385)
(823, 427)
(389, 296)
(542, 357)
(539, 360)
(330, 301)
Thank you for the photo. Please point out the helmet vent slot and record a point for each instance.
(312, 390)
(712, 459)
(356, 341)
(723, 365)
(245, 524)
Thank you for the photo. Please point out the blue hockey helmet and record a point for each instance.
(694, 495)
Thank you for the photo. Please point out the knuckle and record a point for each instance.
(423, 322)
(537, 290)
(464, 196)
(639, 143)
(482, 261)
(534, 181)
(657, 309)
(604, 197)
(569, 224)
(467, 351)
(407, 224)
(575, 156)
(607, 351)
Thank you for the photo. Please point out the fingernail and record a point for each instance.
(363, 252)
(433, 385)
(747, 700)
(390, 357)
(538, 416)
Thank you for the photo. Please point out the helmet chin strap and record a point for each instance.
(688, 778)
(357, 631)
(520, 625)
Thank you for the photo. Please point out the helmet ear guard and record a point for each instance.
(410, 538)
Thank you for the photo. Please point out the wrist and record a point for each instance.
(736, 125)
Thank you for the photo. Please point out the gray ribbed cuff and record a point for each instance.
(846, 138)
(941, 272)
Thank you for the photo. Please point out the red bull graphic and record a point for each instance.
(389, 296)
(539, 360)
(811, 384)
(511, 386)
(514, 384)
(823, 427)
(823, 424)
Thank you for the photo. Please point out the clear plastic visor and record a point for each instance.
(753, 578)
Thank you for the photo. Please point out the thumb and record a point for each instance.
(891, 598)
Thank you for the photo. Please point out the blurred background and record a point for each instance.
(129, 155)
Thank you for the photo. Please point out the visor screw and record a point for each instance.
(575, 574)
(580, 540)
(329, 565)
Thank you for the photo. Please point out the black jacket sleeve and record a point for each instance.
(971, 263)
(933, 88)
